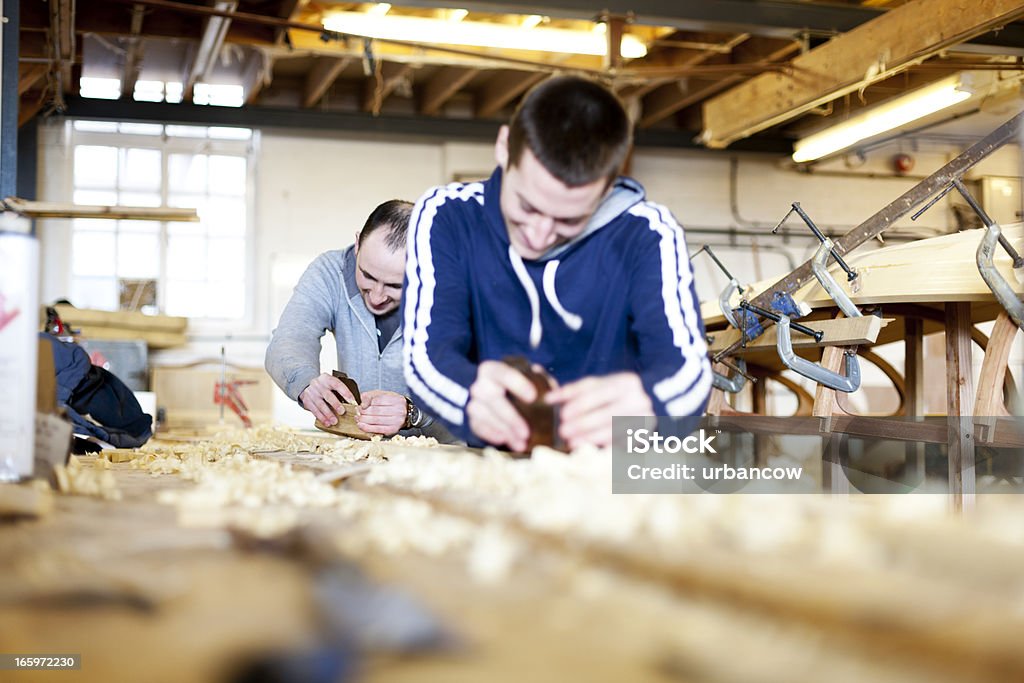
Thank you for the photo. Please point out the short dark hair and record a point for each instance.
(577, 129)
(394, 216)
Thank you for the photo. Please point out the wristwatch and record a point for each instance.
(413, 416)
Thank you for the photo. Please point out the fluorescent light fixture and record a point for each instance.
(457, 14)
(887, 116)
(479, 34)
(380, 9)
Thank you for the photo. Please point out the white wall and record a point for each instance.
(314, 192)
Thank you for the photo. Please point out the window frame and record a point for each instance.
(167, 145)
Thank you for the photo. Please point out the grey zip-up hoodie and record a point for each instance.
(327, 298)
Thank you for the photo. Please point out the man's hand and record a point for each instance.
(587, 406)
(492, 417)
(381, 412)
(319, 399)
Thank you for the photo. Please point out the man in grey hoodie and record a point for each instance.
(355, 293)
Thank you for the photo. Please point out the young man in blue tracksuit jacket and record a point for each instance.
(556, 259)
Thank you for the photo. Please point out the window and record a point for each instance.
(200, 269)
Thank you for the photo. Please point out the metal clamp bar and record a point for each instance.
(771, 315)
(819, 264)
(733, 384)
(723, 302)
(987, 220)
(813, 371)
(850, 273)
(1007, 298)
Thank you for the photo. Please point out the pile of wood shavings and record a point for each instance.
(94, 479)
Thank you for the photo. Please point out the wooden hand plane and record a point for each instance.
(542, 418)
(346, 424)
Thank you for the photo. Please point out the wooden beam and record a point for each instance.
(871, 52)
(614, 26)
(290, 9)
(62, 13)
(259, 72)
(504, 88)
(442, 87)
(989, 404)
(133, 54)
(33, 209)
(959, 404)
(380, 86)
(215, 30)
(321, 77)
(839, 332)
(29, 75)
(667, 101)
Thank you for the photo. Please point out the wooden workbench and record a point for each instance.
(665, 588)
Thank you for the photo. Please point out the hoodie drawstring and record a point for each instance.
(571, 320)
(531, 294)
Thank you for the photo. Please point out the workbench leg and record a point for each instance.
(959, 404)
(913, 387)
(989, 404)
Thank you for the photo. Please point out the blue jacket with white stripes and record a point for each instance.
(619, 297)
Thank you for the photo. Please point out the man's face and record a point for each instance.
(540, 211)
(379, 272)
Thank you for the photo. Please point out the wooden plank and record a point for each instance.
(824, 397)
(441, 88)
(874, 51)
(153, 339)
(840, 332)
(503, 89)
(321, 77)
(132, 320)
(33, 209)
(989, 403)
(959, 402)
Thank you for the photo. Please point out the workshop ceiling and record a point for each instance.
(719, 72)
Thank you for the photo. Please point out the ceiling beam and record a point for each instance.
(382, 83)
(439, 89)
(877, 50)
(258, 73)
(386, 127)
(133, 54)
(62, 35)
(214, 32)
(321, 77)
(29, 75)
(502, 89)
(670, 99)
